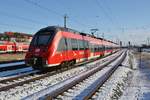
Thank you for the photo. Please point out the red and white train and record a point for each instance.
(9, 47)
(53, 46)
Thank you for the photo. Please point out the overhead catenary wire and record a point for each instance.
(21, 18)
(72, 18)
(107, 13)
(104, 11)
(14, 25)
(14, 16)
(54, 12)
(110, 12)
(44, 8)
(115, 21)
(10, 27)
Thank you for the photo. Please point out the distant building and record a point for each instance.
(16, 37)
(2, 36)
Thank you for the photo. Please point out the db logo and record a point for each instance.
(37, 50)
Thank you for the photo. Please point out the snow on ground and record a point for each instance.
(28, 89)
(139, 85)
(86, 85)
(146, 50)
(114, 87)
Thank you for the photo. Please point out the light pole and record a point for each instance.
(65, 20)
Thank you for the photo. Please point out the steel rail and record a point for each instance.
(57, 89)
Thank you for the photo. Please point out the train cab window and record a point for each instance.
(42, 38)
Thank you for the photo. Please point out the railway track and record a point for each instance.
(21, 79)
(8, 84)
(12, 65)
(71, 87)
(18, 80)
(12, 61)
(18, 64)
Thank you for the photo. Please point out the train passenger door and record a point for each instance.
(66, 54)
(62, 49)
(86, 49)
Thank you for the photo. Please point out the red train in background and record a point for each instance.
(53, 46)
(11, 47)
(14, 42)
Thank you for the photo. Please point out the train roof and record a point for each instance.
(58, 28)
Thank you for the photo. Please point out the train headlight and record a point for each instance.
(46, 62)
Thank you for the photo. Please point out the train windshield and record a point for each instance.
(42, 38)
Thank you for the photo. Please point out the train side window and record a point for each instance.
(66, 44)
(106, 47)
(89, 46)
(95, 48)
(92, 47)
(86, 45)
(69, 43)
(81, 45)
(62, 45)
(74, 44)
(102, 48)
(99, 48)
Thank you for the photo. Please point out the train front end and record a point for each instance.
(39, 49)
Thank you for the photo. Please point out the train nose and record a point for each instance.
(37, 56)
(36, 61)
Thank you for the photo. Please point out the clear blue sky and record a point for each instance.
(126, 20)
